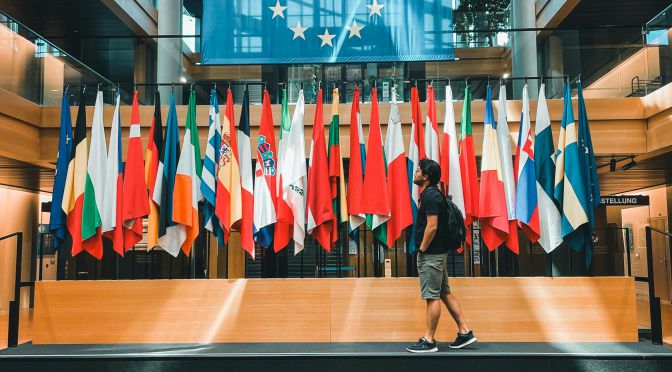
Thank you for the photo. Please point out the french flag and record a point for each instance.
(527, 208)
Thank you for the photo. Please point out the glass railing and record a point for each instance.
(612, 62)
(36, 69)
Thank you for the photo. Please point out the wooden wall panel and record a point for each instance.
(336, 310)
(618, 126)
(180, 311)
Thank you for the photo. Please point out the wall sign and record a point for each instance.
(625, 200)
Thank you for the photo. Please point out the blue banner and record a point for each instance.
(238, 32)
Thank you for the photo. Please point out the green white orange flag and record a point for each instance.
(187, 192)
(95, 183)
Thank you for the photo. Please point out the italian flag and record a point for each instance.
(375, 200)
(468, 162)
(95, 183)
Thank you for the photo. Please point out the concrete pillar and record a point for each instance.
(169, 51)
(555, 58)
(524, 44)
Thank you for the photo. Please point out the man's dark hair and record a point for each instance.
(432, 169)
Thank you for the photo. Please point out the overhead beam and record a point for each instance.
(139, 15)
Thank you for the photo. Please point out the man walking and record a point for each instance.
(434, 239)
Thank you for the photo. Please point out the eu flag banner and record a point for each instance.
(295, 31)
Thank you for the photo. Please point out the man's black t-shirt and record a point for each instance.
(432, 203)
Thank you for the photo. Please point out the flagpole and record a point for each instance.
(366, 264)
(226, 258)
(358, 260)
(531, 248)
(396, 259)
(301, 254)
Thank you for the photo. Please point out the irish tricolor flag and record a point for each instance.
(188, 180)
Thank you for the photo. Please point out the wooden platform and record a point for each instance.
(329, 310)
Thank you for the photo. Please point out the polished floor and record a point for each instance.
(26, 319)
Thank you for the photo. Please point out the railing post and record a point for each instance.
(14, 306)
(627, 250)
(654, 302)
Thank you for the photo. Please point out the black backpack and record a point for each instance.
(454, 224)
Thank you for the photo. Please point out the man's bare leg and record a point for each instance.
(433, 315)
(455, 310)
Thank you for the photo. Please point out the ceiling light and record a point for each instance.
(629, 164)
(612, 165)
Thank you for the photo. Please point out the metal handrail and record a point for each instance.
(13, 327)
(654, 301)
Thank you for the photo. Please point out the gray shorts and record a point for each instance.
(433, 276)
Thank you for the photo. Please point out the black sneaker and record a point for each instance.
(423, 346)
(463, 340)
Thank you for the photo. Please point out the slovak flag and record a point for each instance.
(416, 151)
(246, 183)
(527, 209)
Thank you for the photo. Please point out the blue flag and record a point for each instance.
(284, 31)
(570, 184)
(589, 174)
(58, 218)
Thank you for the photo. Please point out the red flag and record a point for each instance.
(357, 163)
(401, 215)
(468, 162)
(136, 200)
(320, 210)
(375, 200)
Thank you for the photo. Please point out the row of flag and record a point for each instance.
(549, 193)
